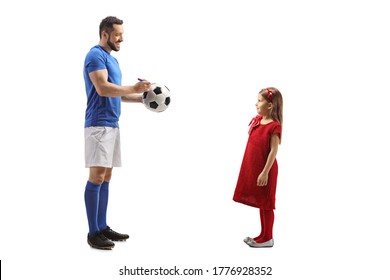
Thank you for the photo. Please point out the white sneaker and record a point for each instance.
(269, 243)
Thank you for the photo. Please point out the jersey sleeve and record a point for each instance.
(95, 60)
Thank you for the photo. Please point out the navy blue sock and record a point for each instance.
(103, 202)
(91, 198)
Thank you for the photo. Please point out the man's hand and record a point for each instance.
(142, 86)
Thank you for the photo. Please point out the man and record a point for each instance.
(105, 93)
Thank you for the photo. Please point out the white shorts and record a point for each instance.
(102, 146)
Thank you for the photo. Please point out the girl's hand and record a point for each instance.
(262, 180)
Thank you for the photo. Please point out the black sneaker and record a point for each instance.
(113, 235)
(99, 241)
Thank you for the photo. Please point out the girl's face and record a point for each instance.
(263, 106)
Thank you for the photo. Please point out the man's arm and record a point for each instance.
(104, 88)
(132, 98)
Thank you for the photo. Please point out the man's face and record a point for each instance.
(115, 38)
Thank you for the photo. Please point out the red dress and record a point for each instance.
(255, 158)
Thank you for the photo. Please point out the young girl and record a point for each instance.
(256, 184)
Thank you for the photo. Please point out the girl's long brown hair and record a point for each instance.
(274, 96)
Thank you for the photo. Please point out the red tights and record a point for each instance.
(267, 223)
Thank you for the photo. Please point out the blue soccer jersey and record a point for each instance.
(101, 111)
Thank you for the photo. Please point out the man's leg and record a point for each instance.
(102, 213)
(103, 200)
(92, 197)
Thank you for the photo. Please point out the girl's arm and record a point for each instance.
(262, 180)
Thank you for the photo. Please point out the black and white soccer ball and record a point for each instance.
(157, 99)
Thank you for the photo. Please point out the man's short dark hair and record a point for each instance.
(107, 24)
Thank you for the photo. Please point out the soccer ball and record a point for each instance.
(157, 99)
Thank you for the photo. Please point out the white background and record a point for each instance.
(173, 195)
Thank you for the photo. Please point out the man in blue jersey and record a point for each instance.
(103, 84)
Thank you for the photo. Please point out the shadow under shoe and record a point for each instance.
(113, 235)
(99, 241)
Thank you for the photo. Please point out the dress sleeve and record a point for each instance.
(277, 129)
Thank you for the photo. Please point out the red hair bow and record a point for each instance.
(269, 94)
